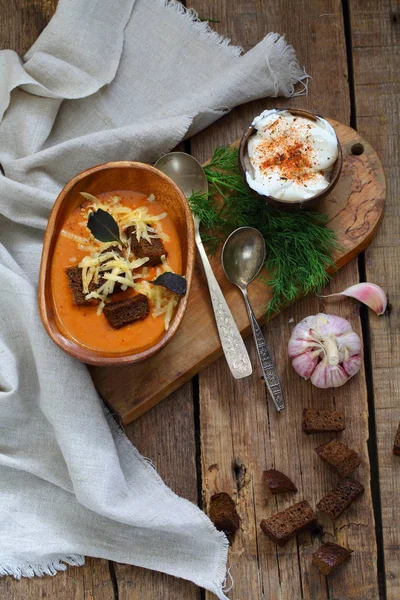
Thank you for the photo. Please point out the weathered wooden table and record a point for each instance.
(215, 434)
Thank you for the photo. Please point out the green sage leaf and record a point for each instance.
(103, 226)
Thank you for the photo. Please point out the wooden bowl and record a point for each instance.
(105, 178)
(309, 203)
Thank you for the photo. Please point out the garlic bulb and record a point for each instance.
(325, 349)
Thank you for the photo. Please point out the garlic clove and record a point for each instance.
(368, 293)
(352, 365)
(327, 324)
(350, 344)
(298, 346)
(327, 376)
(304, 364)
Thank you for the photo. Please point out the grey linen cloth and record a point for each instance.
(104, 81)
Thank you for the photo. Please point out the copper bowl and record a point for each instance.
(309, 203)
(103, 178)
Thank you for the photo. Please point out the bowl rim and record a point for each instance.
(297, 204)
(73, 348)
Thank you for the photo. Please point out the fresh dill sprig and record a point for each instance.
(299, 244)
(204, 207)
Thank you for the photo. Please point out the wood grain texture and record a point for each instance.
(354, 208)
(376, 54)
(237, 423)
(90, 582)
(166, 435)
(22, 21)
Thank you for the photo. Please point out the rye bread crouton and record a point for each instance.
(284, 525)
(127, 311)
(329, 557)
(317, 421)
(396, 445)
(278, 482)
(335, 502)
(154, 250)
(74, 275)
(341, 459)
(223, 514)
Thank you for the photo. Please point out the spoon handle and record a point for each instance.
(232, 343)
(268, 367)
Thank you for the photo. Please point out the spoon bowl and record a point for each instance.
(185, 170)
(243, 255)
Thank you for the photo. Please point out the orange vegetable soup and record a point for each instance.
(87, 324)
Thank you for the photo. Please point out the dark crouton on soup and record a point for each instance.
(127, 311)
(74, 275)
(154, 250)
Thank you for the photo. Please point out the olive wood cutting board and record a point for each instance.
(355, 208)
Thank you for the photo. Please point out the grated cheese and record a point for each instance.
(165, 265)
(111, 267)
(87, 248)
(140, 217)
(105, 263)
(124, 280)
(166, 309)
(163, 236)
(74, 237)
(90, 197)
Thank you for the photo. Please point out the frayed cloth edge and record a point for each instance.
(190, 16)
(48, 567)
(295, 73)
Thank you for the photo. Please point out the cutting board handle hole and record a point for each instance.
(357, 149)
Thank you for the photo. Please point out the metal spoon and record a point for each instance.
(243, 256)
(188, 174)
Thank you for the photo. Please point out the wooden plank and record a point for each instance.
(354, 209)
(91, 582)
(236, 421)
(376, 55)
(166, 436)
(21, 23)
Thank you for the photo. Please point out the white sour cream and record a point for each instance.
(291, 156)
